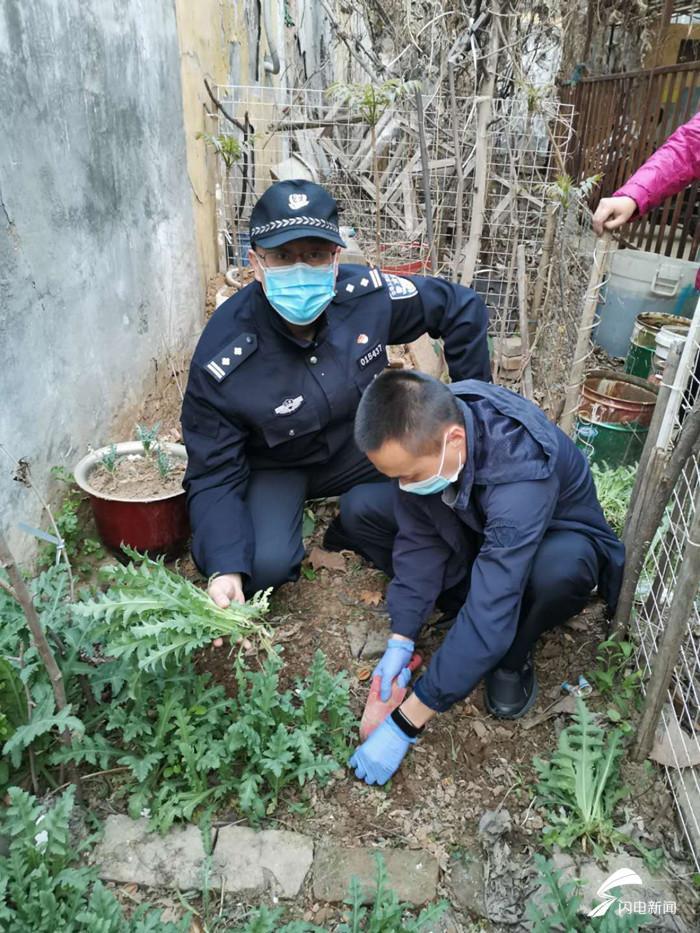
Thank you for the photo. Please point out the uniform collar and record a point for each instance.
(456, 496)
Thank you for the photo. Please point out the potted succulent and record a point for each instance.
(135, 490)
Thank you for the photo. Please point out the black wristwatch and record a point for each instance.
(405, 725)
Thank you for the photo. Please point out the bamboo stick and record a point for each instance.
(428, 204)
(641, 481)
(459, 194)
(604, 248)
(545, 262)
(483, 118)
(526, 369)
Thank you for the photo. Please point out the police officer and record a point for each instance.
(496, 503)
(274, 385)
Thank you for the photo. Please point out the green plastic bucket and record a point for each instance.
(639, 361)
(611, 444)
(643, 345)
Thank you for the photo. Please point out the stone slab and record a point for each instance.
(654, 889)
(412, 873)
(253, 862)
(378, 633)
(130, 854)
(467, 884)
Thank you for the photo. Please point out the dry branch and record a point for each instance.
(24, 598)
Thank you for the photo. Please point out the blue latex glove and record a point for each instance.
(377, 759)
(394, 664)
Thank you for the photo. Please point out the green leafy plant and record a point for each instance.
(372, 101)
(164, 463)
(109, 459)
(230, 151)
(581, 785)
(565, 193)
(560, 905)
(227, 147)
(187, 746)
(618, 680)
(79, 547)
(614, 489)
(148, 437)
(44, 889)
(26, 696)
(152, 614)
(387, 913)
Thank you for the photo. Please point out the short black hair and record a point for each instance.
(405, 406)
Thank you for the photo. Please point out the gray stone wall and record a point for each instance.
(97, 253)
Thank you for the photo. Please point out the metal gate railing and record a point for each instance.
(619, 121)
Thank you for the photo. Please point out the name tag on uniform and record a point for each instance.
(370, 355)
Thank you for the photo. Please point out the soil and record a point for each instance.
(138, 477)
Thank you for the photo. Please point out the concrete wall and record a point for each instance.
(209, 40)
(97, 249)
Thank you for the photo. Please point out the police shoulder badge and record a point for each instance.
(231, 356)
(399, 288)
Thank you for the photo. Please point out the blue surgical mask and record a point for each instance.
(300, 293)
(436, 483)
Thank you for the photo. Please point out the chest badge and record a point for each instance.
(362, 338)
(289, 405)
(372, 354)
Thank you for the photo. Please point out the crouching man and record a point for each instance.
(497, 511)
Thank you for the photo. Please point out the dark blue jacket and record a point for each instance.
(523, 477)
(257, 397)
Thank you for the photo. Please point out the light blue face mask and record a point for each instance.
(300, 293)
(436, 483)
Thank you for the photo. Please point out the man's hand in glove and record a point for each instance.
(394, 663)
(377, 759)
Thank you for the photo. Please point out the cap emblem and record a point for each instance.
(297, 201)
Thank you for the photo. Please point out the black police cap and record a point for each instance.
(290, 210)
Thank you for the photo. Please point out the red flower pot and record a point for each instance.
(158, 525)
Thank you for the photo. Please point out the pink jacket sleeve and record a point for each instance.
(671, 168)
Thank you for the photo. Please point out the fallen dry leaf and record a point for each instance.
(480, 729)
(318, 558)
(567, 704)
(371, 597)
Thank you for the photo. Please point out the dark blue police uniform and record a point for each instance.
(268, 418)
(521, 535)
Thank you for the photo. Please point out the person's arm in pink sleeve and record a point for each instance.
(673, 166)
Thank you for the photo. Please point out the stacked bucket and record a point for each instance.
(645, 307)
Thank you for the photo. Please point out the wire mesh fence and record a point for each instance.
(425, 199)
(655, 594)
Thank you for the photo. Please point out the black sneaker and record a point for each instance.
(336, 538)
(510, 694)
